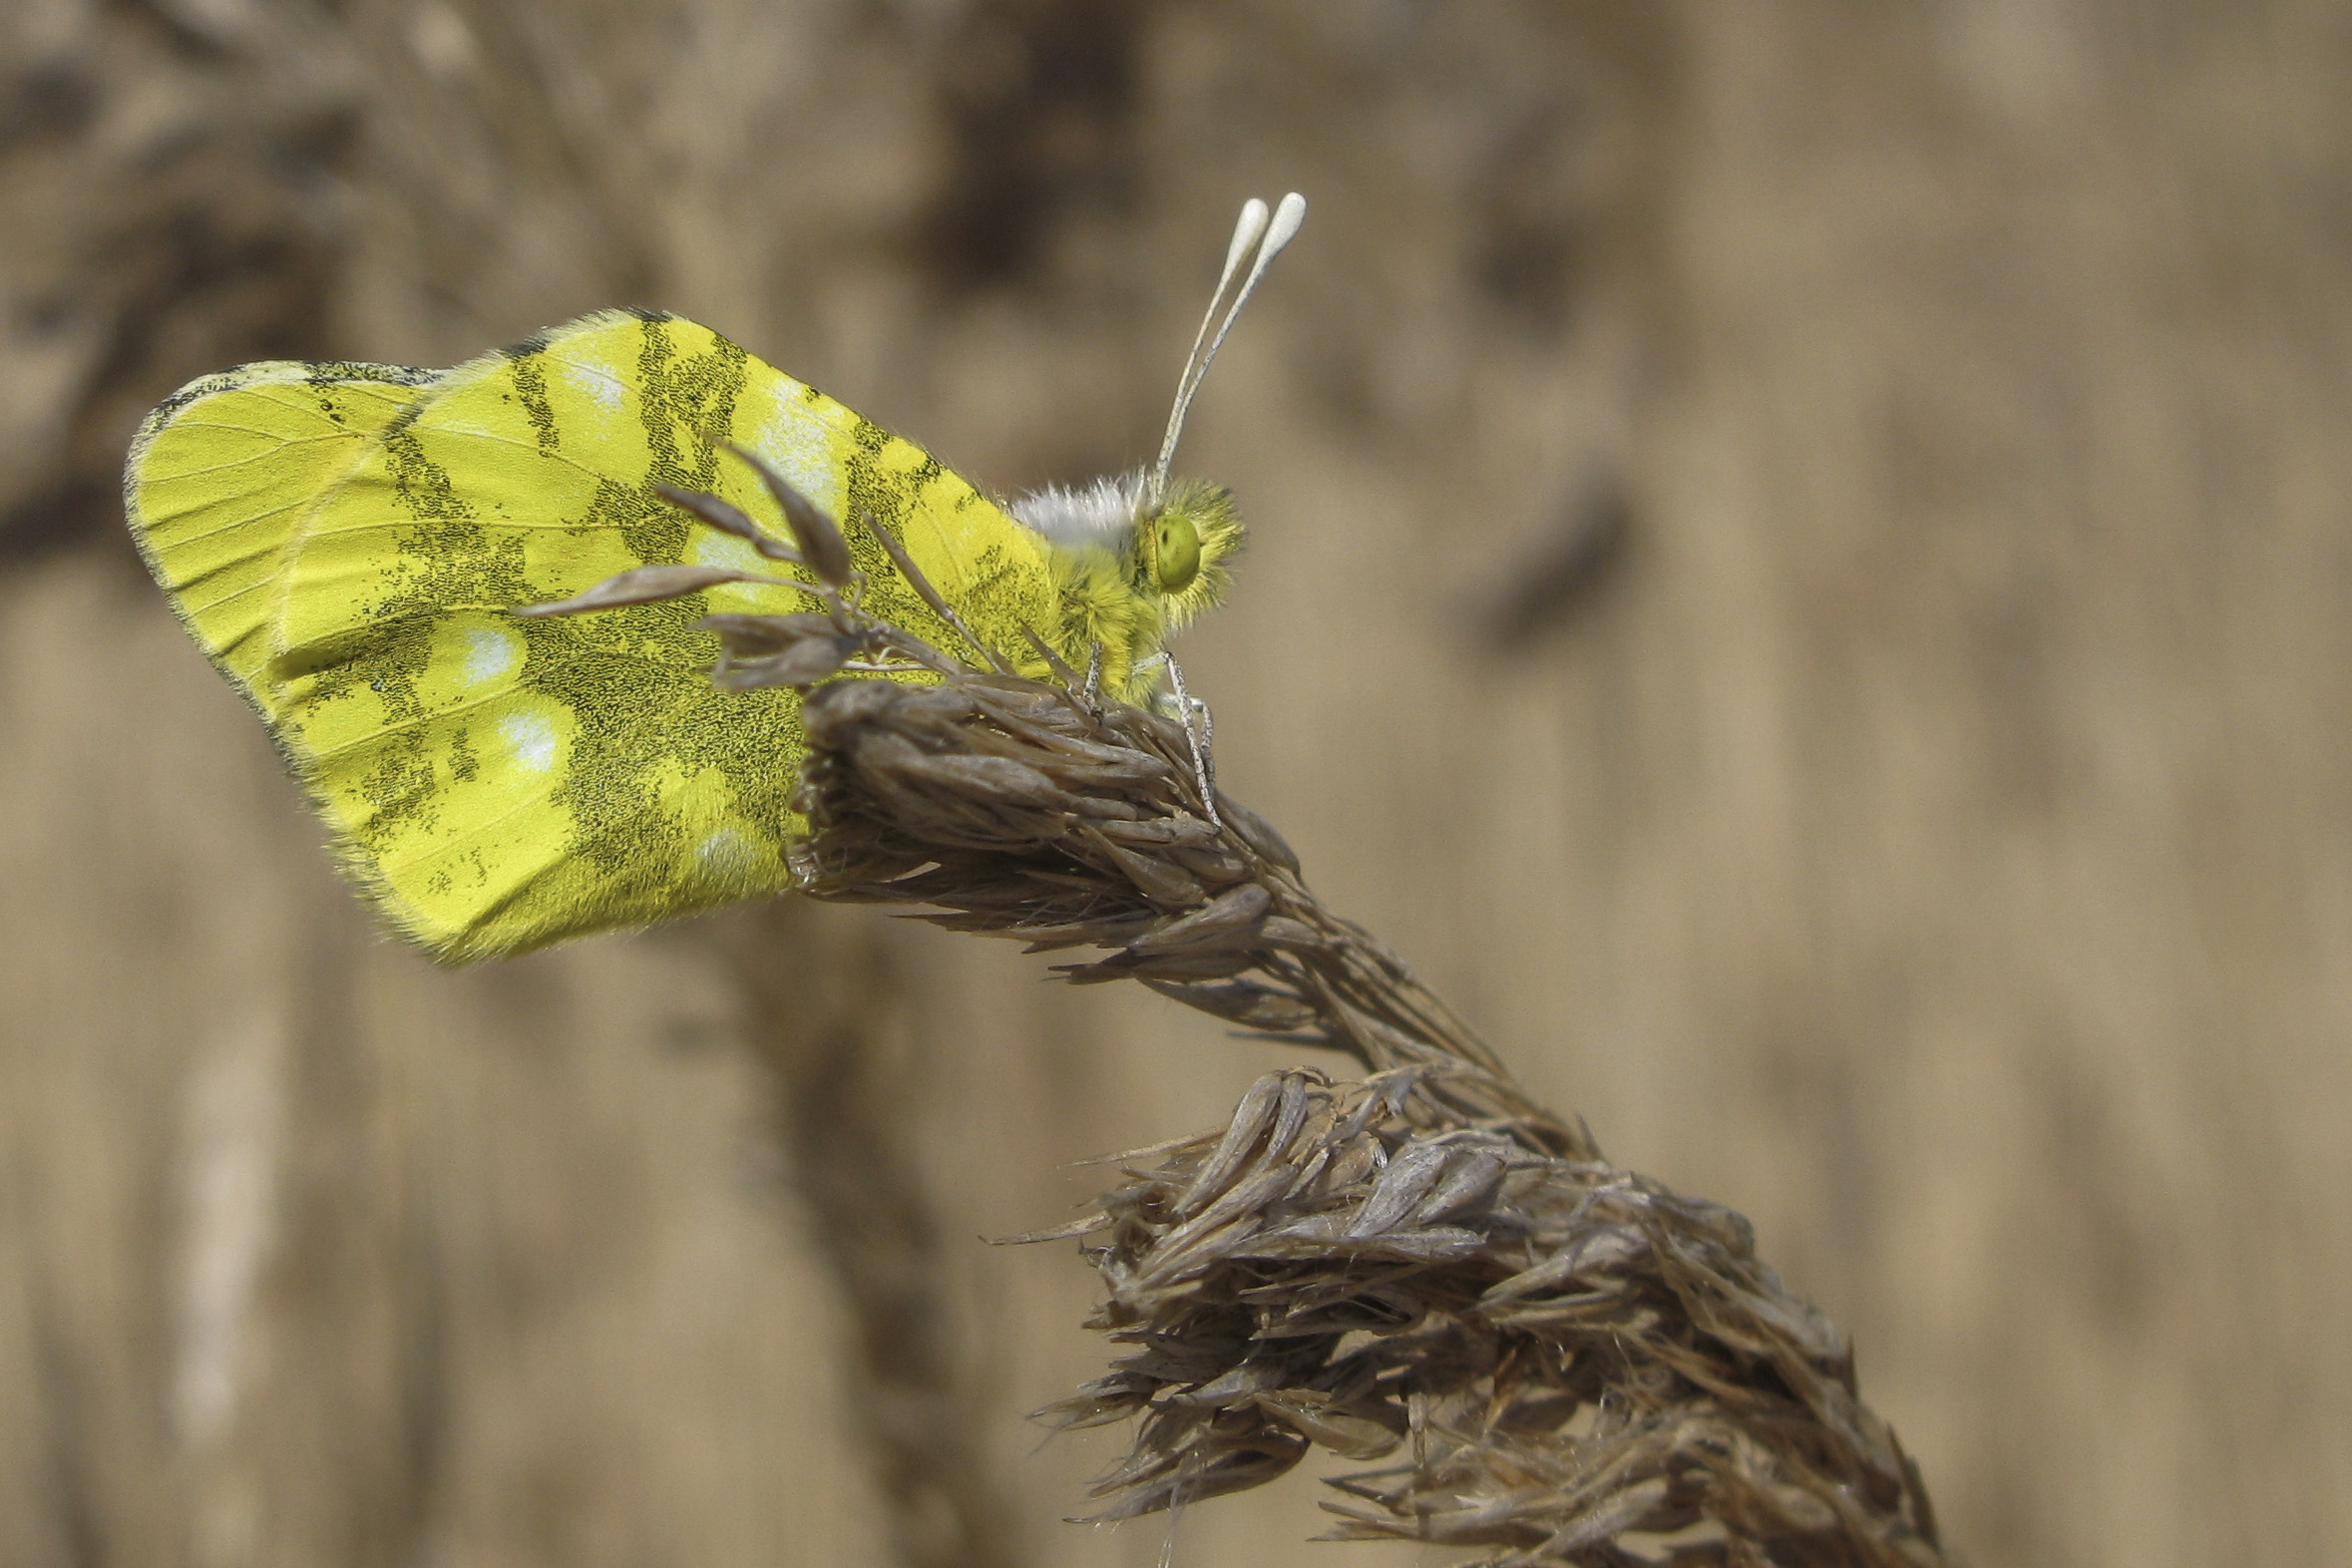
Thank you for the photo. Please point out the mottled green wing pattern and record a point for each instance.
(498, 783)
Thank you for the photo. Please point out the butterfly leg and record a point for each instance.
(1199, 735)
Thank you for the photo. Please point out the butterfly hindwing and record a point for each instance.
(498, 783)
(221, 476)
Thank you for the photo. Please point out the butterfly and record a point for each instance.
(349, 543)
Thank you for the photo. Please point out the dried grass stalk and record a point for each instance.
(1562, 1361)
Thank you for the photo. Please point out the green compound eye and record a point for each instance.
(1176, 552)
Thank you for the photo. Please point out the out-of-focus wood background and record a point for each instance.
(1803, 573)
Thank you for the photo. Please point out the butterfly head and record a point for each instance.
(1186, 530)
(1186, 547)
(1171, 552)
(1138, 557)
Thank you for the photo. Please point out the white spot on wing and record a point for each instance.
(714, 549)
(599, 385)
(531, 739)
(726, 855)
(489, 653)
(797, 441)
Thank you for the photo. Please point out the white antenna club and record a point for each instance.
(1253, 232)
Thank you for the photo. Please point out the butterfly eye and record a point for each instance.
(1176, 552)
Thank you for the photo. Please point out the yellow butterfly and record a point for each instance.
(348, 543)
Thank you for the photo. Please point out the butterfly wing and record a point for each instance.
(221, 476)
(498, 783)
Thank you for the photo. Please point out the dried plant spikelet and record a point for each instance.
(1250, 1120)
(647, 585)
(1245, 1003)
(818, 537)
(803, 665)
(728, 518)
(750, 636)
(1228, 919)
(1706, 1395)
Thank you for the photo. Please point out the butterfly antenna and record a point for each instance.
(1247, 231)
(1258, 233)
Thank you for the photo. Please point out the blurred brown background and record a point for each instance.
(1803, 573)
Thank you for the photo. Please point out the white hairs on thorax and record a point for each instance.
(1096, 514)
